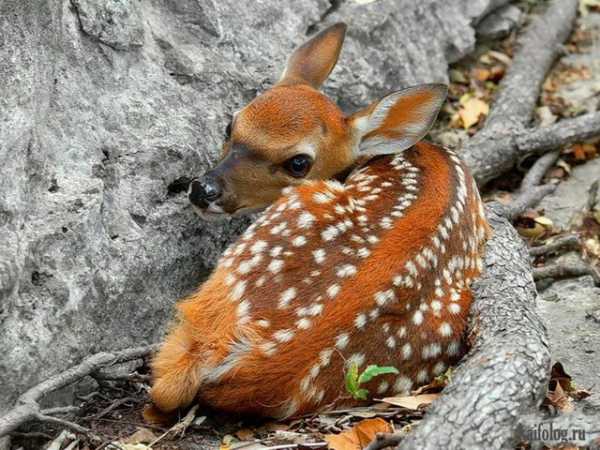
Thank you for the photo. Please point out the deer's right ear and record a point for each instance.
(397, 121)
(314, 60)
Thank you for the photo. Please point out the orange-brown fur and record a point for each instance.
(372, 271)
(270, 385)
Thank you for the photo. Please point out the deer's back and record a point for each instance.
(374, 271)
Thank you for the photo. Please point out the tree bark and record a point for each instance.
(495, 148)
(505, 373)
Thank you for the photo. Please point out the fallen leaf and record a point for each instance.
(544, 221)
(275, 426)
(498, 56)
(245, 434)
(545, 116)
(471, 112)
(580, 394)
(436, 385)
(557, 397)
(141, 436)
(481, 74)
(359, 436)
(226, 442)
(456, 76)
(532, 232)
(559, 375)
(411, 401)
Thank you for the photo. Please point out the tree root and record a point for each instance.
(566, 269)
(505, 136)
(27, 407)
(505, 374)
(564, 242)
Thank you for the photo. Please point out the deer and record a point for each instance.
(366, 245)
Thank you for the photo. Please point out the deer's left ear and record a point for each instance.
(399, 120)
(313, 61)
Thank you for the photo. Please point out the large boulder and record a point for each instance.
(109, 107)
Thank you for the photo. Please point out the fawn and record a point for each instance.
(364, 254)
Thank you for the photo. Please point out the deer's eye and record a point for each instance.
(298, 166)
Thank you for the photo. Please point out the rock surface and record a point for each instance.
(571, 311)
(108, 108)
(569, 200)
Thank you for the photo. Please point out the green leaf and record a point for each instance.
(373, 371)
(361, 394)
(352, 379)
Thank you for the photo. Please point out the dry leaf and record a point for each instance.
(557, 397)
(545, 116)
(436, 385)
(411, 401)
(533, 232)
(544, 221)
(481, 74)
(245, 434)
(498, 56)
(472, 110)
(141, 436)
(226, 442)
(359, 436)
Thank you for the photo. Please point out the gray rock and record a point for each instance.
(583, 93)
(565, 205)
(568, 309)
(500, 22)
(116, 23)
(109, 107)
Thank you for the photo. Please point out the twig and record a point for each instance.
(538, 170)
(566, 269)
(110, 408)
(385, 440)
(562, 242)
(530, 194)
(496, 147)
(180, 426)
(304, 444)
(528, 199)
(60, 410)
(27, 407)
(563, 132)
(135, 377)
(67, 424)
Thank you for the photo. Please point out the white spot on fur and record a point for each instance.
(275, 266)
(283, 335)
(299, 241)
(347, 270)
(342, 340)
(403, 385)
(417, 317)
(445, 329)
(286, 297)
(238, 290)
(406, 351)
(333, 290)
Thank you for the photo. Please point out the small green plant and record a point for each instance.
(354, 380)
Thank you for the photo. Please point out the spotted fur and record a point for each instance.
(372, 271)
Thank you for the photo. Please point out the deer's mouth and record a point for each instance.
(212, 212)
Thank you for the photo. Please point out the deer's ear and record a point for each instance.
(313, 61)
(399, 120)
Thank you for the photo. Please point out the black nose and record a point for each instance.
(204, 190)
